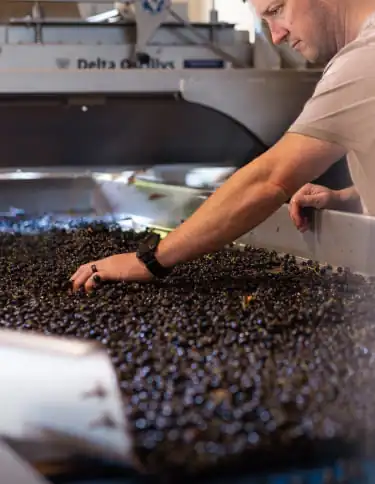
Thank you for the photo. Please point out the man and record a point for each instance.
(338, 120)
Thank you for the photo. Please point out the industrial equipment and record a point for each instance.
(85, 103)
(114, 93)
(61, 408)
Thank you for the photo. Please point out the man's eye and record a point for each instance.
(276, 11)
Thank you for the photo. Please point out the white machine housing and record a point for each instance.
(143, 92)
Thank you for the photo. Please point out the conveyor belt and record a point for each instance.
(53, 287)
(276, 233)
(340, 238)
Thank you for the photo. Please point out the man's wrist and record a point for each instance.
(165, 256)
(348, 200)
(147, 253)
(139, 270)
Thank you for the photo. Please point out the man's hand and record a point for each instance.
(314, 196)
(319, 197)
(120, 267)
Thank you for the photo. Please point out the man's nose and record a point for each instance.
(279, 34)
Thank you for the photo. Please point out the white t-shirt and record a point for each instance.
(342, 110)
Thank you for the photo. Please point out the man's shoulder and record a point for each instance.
(341, 109)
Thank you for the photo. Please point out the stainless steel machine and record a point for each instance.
(84, 104)
(112, 92)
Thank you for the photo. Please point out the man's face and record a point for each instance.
(306, 25)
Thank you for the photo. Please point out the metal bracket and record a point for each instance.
(47, 420)
(149, 14)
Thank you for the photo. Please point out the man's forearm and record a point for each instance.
(250, 196)
(242, 203)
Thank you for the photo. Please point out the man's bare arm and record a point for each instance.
(244, 201)
(250, 196)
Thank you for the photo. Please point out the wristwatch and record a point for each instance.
(146, 254)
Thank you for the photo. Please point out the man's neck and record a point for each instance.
(353, 16)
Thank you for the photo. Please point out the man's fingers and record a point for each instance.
(82, 275)
(80, 279)
(95, 280)
(296, 215)
(309, 196)
(77, 272)
(310, 201)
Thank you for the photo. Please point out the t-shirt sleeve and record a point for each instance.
(342, 108)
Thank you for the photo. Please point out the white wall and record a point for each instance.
(233, 11)
(237, 12)
(197, 9)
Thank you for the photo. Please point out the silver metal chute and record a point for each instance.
(174, 118)
(185, 121)
(162, 130)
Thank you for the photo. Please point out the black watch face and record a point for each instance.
(149, 244)
(146, 252)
